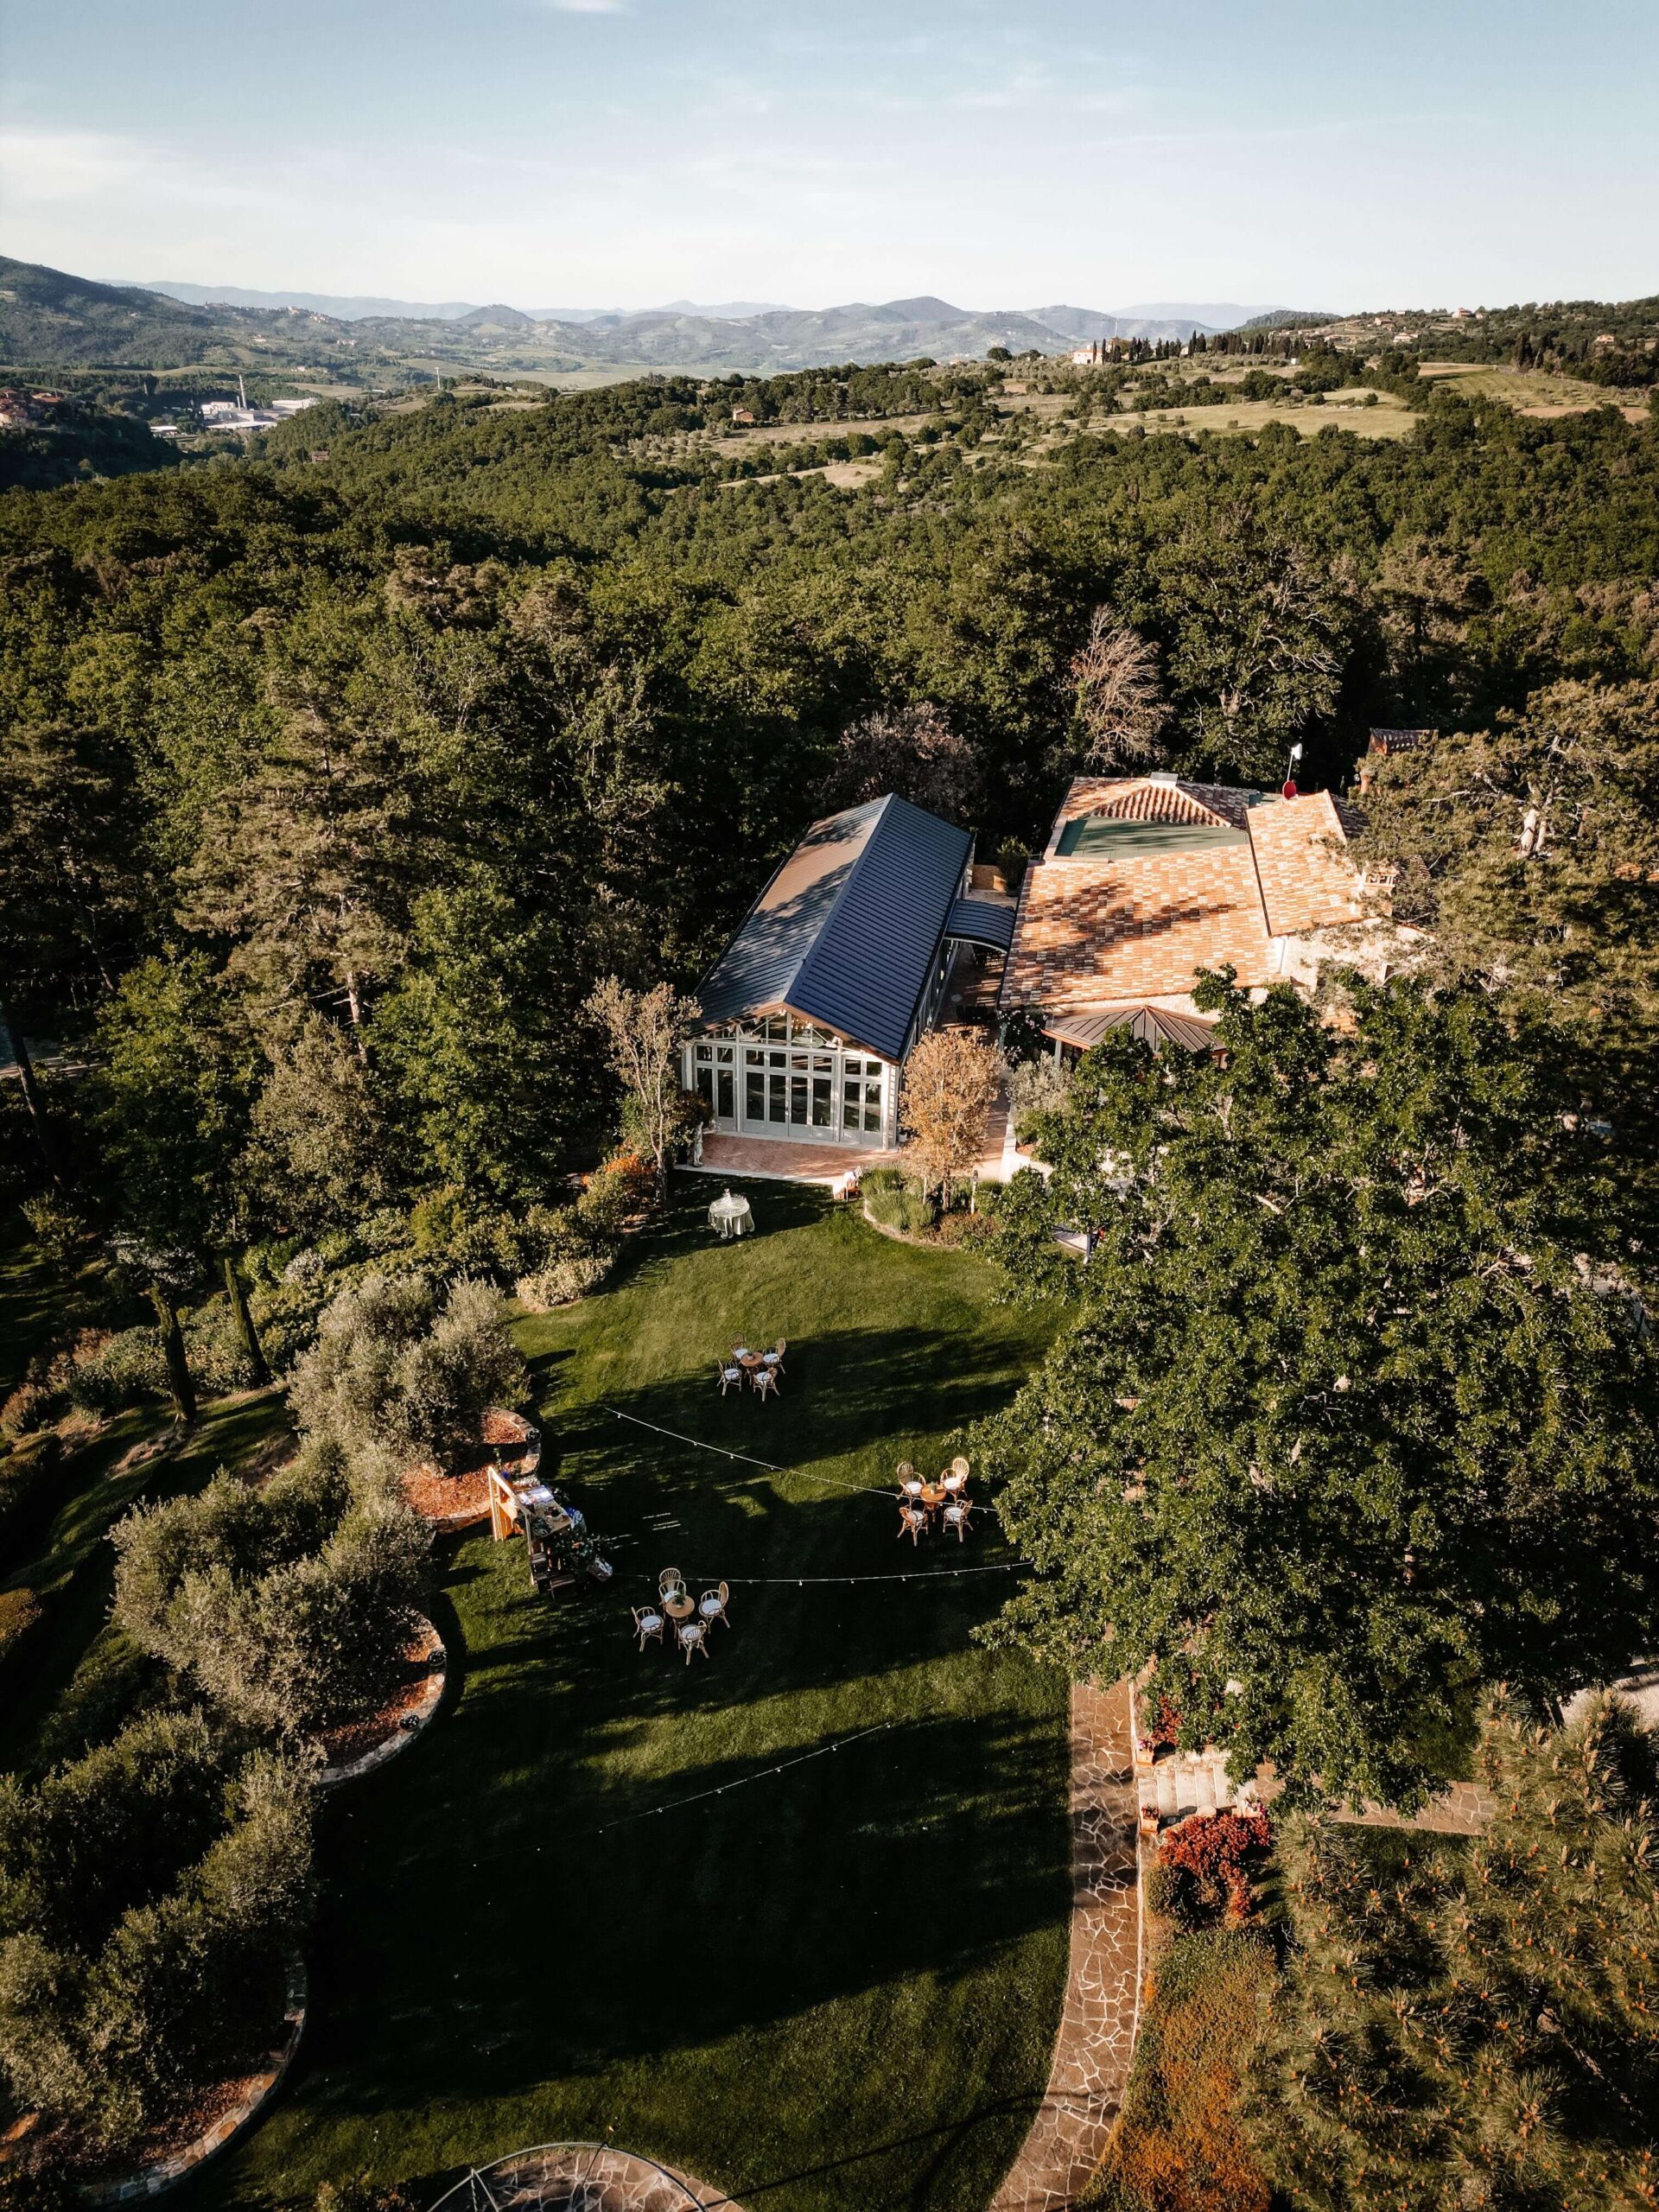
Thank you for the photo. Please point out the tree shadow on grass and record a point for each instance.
(912, 1852)
(848, 1390)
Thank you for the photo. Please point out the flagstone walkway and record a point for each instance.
(1069, 2136)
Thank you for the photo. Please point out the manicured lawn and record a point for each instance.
(827, 1990)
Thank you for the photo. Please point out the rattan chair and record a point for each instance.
(649, 1621)
(912, 1521)
(766, 1382)
(711, 1606)
(692, 1637)
(957, 1515)
(731, 1378)
(670, 1582)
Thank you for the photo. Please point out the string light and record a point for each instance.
(801, 1474)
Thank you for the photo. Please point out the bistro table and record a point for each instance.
(680, 1607)
(731, 1216)
(933, 1496)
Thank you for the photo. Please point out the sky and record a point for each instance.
(619, 153)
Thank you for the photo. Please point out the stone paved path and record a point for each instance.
(1092, 2056)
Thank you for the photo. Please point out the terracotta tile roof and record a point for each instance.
(1133, 928)
(1149, 798)
(1126, 919)
(1307, 880)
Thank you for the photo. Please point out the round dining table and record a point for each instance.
(731, 1216)
(680, 1606)
(933, 1496)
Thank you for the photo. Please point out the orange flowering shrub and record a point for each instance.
(1204, 1864)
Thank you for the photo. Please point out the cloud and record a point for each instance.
(590, 7)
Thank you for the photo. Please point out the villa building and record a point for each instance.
(841, 963)
(1147, 880)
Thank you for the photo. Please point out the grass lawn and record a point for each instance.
(826, 1990)
(82, 1676)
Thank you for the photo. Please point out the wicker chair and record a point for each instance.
(712, 1606)
(731, 1378)
(692, 1636)
(912, 1522)
(957, 1515)
(649, 1621)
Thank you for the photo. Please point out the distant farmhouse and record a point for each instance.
(840, 965)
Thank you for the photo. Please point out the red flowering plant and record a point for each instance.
(1203, 1867)
(1166, 1730)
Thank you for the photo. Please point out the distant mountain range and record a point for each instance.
(50, 319)
(361, 307)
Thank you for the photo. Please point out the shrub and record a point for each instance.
(31, 1406)
(877, 1180)
(1203, 1867)
(561, 1280)
(119, 1371)
(345, 1385)
(607, 1201)
(444, 1381)
(19, 1611)
(286, 1606)
(904, 1209)
(968, 1228)
(150, 1895)
(262, 1264)
(58, 1229)
(634, 1172)
(387, 1231)
(217, 1358)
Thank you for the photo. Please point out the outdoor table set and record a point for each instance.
(945, 1502)
(759, 1370)
(690, 1618)
(731, 1216)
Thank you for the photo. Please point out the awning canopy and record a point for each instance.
(981, 921)
(1151, 1024)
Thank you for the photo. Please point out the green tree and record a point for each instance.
(1356, 1411)
(1530, 852)
(1461, 2029)
(643, 1031)
(171, 1092)
(479, 1033)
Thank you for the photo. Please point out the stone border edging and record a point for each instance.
(409, 1725)
(165, 2173)
(601, 2174)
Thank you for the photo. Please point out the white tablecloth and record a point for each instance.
(731, 1216)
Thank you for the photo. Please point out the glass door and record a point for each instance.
(715, 1078)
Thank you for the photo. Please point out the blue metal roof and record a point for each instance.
(847, 931)
(981, 921)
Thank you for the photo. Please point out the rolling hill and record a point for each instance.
(50, 319)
